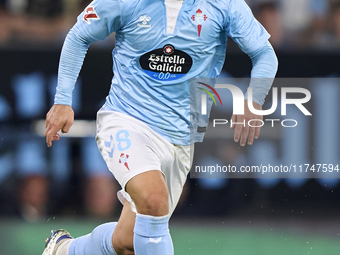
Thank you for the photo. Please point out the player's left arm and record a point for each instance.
(252, 38)
(265, 65)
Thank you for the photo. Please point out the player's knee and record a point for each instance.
(122, 246)
(122, 250)
(155, 203)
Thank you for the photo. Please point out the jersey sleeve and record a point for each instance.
(264, 69)
(99, 19)
(252, 38)
(243, 28)
(96, 22)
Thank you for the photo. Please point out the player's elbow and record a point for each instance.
(275, 60)
(270, 54)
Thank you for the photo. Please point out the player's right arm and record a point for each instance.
(59, 117)
(96, 22)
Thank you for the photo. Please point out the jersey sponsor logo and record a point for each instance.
(166, 63)
(199, 19)
(144, 19)
(90, 14)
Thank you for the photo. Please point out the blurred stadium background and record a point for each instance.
(68, 186)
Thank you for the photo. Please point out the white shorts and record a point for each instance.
(130, 147)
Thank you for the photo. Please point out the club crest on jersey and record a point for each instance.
(144, 19)
(90, 14)
(123, 160)
(199, 19)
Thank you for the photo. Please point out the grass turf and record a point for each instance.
(17, 238)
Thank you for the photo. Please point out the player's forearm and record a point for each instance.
(71, 61)
(264, 69)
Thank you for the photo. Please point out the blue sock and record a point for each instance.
(99, 242)
(151, 236)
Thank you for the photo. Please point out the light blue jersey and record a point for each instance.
(152, 68)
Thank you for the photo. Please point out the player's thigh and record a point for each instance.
(176, 172)
(122, 238)
(149, 192)
(125, 146)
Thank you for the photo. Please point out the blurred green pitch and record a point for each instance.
(19, 238)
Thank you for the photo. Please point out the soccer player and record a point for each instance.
(143, 129)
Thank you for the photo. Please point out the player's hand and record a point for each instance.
(60, 117)
(242, 132)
